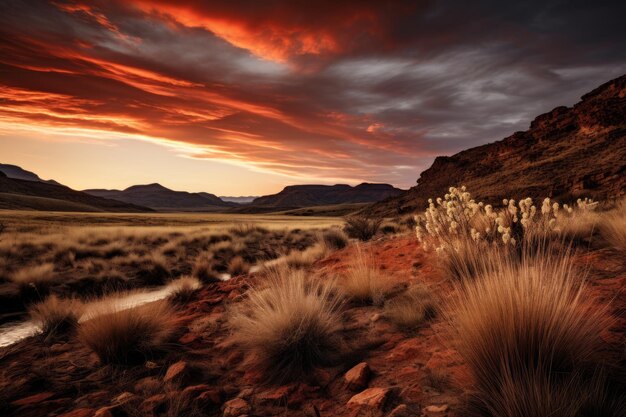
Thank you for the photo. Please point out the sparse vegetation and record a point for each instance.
(290, 325)
(128, 336)
(613, 228)
(57, 316)
(412, 307)
(184, 289)
(364, 282)
(334, 239)
(362, 226)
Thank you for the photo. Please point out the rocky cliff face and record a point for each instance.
(566, 153)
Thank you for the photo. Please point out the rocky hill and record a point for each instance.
(161, 198)
(22, 194)
(14, 171)
(296, 196)
(566, 153)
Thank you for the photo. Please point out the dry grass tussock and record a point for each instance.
(334, 239)
(290, 325)
(364, 281)
(531, 337)
(307, 257)
(128, 336)
(613, 228)
(184, 289)
(238, 266)
(56, 316)
(362, 227)
(412, 307)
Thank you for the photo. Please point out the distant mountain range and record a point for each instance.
(161, 198)
(298, 196)
(35, 194)
(13, 171)
(566, 153)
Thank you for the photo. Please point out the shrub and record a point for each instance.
(302, 259)
(334, 239)
(56, 316)
(529, 337)
(364, 282)
(458, 217)
(362, 227)
(245, 229)
(184, 289)
(411, 308)
(238, 266)
(128, 336)
(203, 269)
(291, 326)
(613, 228)
(34, 281)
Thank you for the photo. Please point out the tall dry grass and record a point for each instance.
(184, 289)
(530, 335)
(412, 307)
(128, 336)
(291, 325)
(56, 316)
(613, 228)
(364, 281)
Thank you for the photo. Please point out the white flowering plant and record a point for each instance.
(456, 219)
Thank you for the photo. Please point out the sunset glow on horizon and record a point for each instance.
(245, 97)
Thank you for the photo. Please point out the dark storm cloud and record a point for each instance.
(335, 90)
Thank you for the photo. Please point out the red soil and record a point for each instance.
(413, 373)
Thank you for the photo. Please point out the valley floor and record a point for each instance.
(412, 372)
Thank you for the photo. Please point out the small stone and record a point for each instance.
(124, 398)
(176, 371)
(79, 412)
(33, 399)
(275, 396)
(371, 397)
(358, 377)
(436, 408)
(188, 338)
(104, 412)
(375, 317)
(154, 404)
(236, 407)
(151, 365)
(400, 411)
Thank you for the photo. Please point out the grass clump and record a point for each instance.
(613, 228)
(291, 325)
(305, 258)
(238, 266)
(184, 289)
(128, 336)
(529, 337)
(364, 282)
(56, 316)
(34, 281)
(362, 227)
(334, 239)
(412, 307)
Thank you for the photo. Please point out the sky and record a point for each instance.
(245, 97)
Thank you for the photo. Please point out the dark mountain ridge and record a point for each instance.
(162, 198)
(296, 196)
(21, 194)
